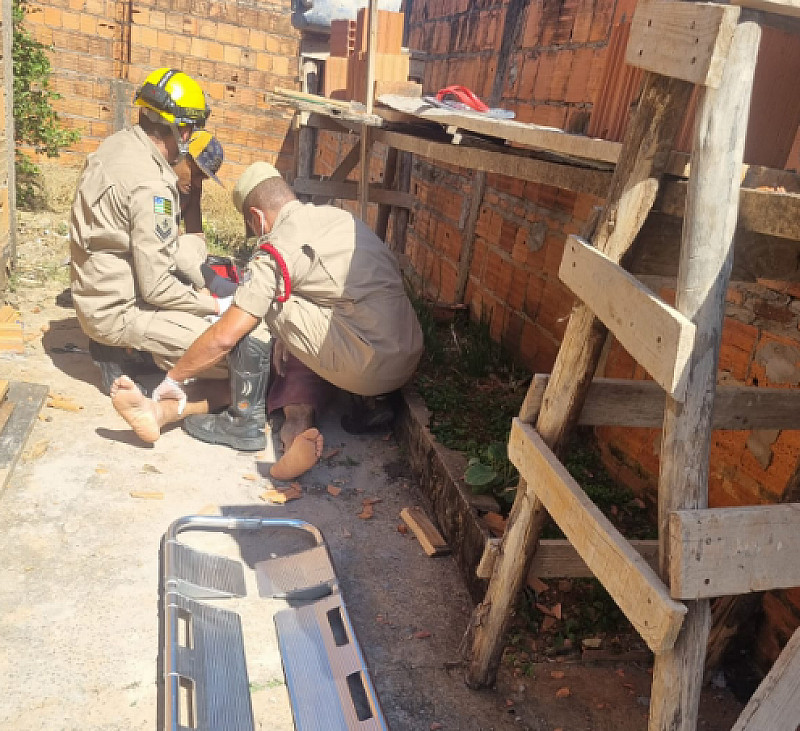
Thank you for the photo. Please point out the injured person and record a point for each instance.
(331, 295)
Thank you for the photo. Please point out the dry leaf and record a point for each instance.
(372, 500)
(496, 523)
(563, 692)
(279, 497)
(557, 610)
(101, 470)
(152, 469)
(147, 495)
(557, 674)
(548, 623)
(37, 450)
(331, 453)
(250, 477)
(402, 529)
(422, 635)
(366, 512)
(333, 490)
(436, 726)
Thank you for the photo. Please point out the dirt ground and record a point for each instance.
(79, 575)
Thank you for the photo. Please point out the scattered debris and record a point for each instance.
(251, 477)
(36, 451)
(557, 674)
(11, 337)
(330, 453)
(65, 403)
(334, 490)
(563, 692)
(422, 635)
(151, 469)
(495, 523)
(279, 496)
(402, 529)
(429, 537)
(146, 494)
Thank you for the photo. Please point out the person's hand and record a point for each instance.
(280, 354)
(223, 303)
(171, 389)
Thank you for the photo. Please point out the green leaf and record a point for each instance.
(479, 475)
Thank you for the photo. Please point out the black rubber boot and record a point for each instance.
(241, 425)
(369, 414)
(114, 362)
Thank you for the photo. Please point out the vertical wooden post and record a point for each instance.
(645, 149)
(384, 210)
(712, 207)
(306, 136)
(372, 34)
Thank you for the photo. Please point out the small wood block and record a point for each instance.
(429, 537)
(688, 41)
(8, 314)
(729, 551)
(658, 336)
(6, 409)
(626, 576)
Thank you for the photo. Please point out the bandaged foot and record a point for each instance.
(141, 413)
(301, 456)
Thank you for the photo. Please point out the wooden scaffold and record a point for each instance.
(703, 553)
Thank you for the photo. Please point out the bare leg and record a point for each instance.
(146, 417)
(298, 418)
(306, 449)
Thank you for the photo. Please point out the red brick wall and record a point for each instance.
(236, 50)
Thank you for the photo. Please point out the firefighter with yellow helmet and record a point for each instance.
(124, 233)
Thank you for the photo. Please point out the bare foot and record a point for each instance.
(140, 412)
(297, 419)
(306, 449)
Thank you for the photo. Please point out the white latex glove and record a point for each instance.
(171, 389)
(280, 355)
(223, 303)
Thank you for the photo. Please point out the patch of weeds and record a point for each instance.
(256, 687)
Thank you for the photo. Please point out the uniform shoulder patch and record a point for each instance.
(162, 206)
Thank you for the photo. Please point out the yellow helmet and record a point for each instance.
(174, 96)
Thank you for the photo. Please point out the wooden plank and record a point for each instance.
(789, 8)
(567, 177)
(429, 537)
(625, 402)
(349, 191)
(727, 551)
(648, 139)
(3, 388)
(558, 559)
(704, 273)
(655, 334)
(776, 703)
(627, 577)
(27, 399)
(551, 139)
(8, 314)
(688, 41)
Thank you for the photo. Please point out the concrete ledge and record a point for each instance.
(453, 506)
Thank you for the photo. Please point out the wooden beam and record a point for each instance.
(558, 559)
(688, 41)
(727, 551)
(627, 577)
(567, 177)
(704, 273)
(343, 169)
(776, 703)
(648, 140)
(658, 337)
(625, 402)
(550, 139)
(790, 8)
(28, 399)
(348, 190)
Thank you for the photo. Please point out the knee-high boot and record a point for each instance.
(241, 426)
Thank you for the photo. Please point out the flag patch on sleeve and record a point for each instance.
(162, 206)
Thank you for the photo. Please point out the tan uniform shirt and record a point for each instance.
(124, 237)
(348, 319)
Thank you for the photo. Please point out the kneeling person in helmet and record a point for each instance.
(124, 234)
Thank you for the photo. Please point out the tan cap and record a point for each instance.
(257, 173)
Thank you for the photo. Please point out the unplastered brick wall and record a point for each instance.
(103, 49)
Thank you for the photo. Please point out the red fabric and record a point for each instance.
(287, 282)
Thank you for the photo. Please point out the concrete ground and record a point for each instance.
(79, 575)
